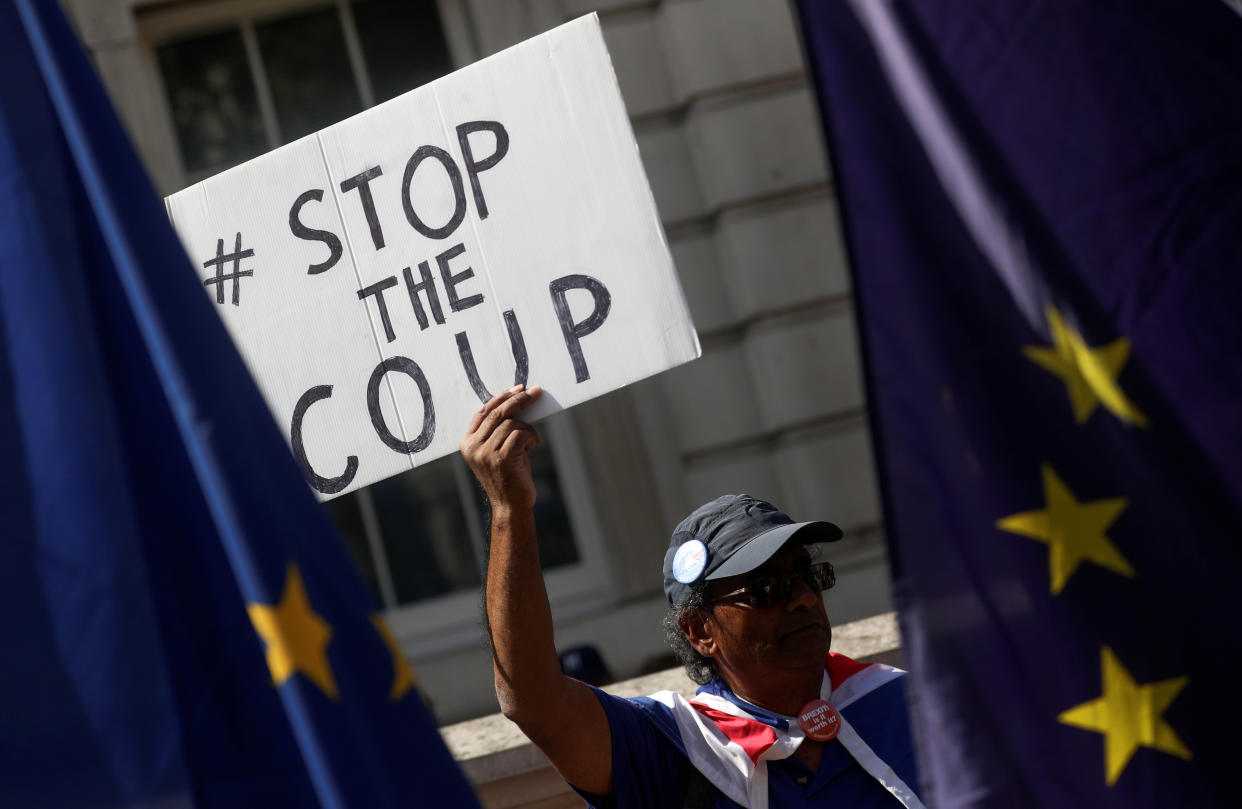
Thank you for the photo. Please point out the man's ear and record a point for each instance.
(696, 626)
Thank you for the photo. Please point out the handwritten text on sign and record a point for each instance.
(385, 275)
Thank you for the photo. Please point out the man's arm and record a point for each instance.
(559, 714)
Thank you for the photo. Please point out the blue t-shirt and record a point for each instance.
(649, 767)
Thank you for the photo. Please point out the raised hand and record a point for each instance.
(495, 448)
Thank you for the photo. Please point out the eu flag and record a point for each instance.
(180, 625)
(1043, 207)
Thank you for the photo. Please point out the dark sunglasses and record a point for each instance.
(767, 589)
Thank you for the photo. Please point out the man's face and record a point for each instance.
(751, 640)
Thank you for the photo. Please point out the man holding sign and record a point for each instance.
(779, 720)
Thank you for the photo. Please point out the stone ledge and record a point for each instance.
(492, 748)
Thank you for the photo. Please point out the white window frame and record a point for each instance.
(158, 24)
(450, 622)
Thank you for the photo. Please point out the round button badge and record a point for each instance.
(689, 561)
(819, 720)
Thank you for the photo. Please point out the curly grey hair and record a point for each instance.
(700, 669)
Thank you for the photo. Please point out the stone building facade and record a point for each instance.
(725, 119)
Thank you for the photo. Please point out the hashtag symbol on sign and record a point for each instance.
(221, 276)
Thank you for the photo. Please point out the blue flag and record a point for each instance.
(181, 625)
(1043, 207)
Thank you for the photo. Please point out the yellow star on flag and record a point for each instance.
(296, 638)
(1089, 374)
(1129, 715)
(403, 678)
(1074, 531)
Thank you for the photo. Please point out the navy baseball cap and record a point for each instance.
(733, 534)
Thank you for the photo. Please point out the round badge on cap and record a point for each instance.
(819, 720)
(690, 561)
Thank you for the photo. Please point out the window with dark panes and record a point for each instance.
(430, 526)
(403, 42)
(263, 74)
(308, 72)
(260, 79)
(212, 97)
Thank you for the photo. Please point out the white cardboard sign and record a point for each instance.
(384, 276)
